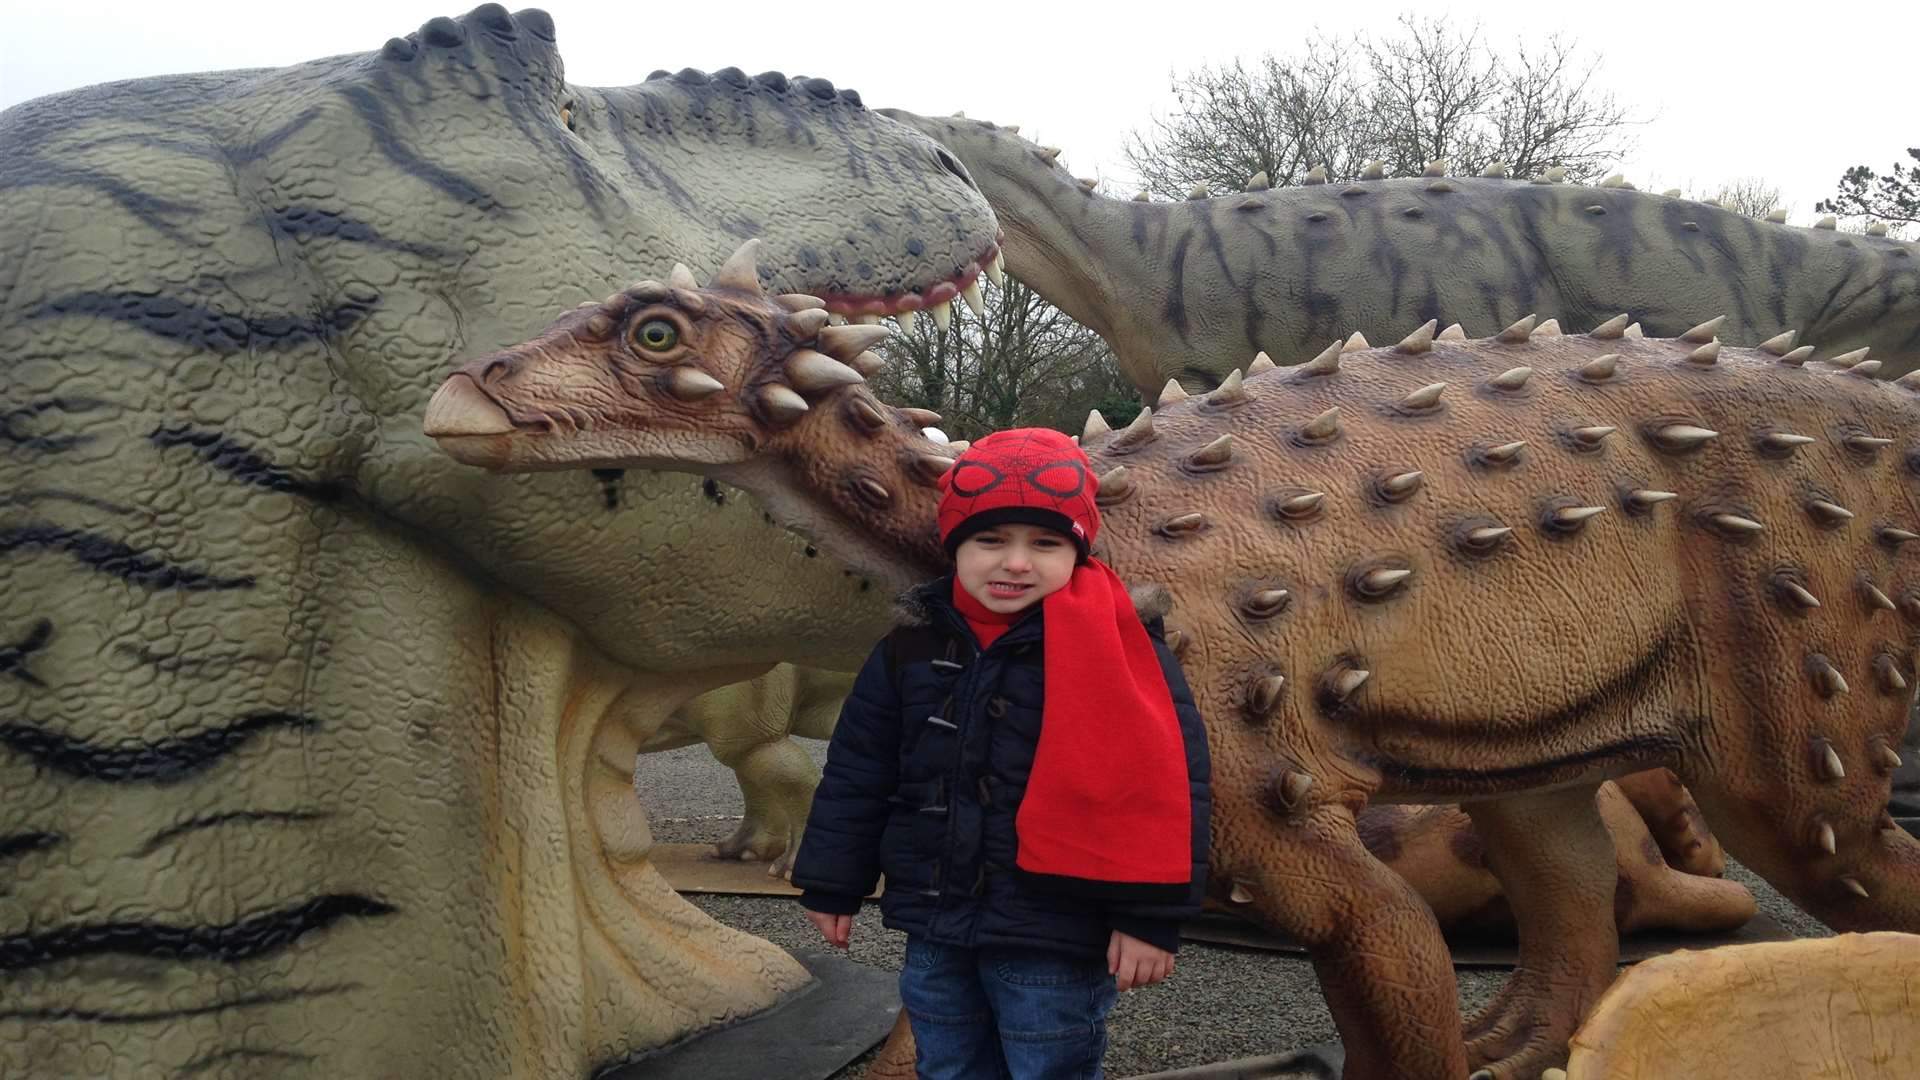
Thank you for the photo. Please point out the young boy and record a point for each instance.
(1028, 770)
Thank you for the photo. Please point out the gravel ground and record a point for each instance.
(1222, 1003)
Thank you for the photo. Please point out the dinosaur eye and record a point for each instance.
(657, 335)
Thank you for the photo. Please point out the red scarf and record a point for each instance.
(1107, 802)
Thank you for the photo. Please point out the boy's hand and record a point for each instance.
(838, 929)
(1133, 962)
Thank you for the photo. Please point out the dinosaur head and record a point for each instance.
(724, 381)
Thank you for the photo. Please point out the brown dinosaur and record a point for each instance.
(1496, 571)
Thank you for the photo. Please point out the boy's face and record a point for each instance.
(1009, 567)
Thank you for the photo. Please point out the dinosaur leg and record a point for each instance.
(1553, 856)
(777, 779)
(1675, 821)
(1650, 894)
(1375, 946)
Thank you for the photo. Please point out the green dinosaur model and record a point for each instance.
(1495, 571)
(318, 747)
(1190, 290)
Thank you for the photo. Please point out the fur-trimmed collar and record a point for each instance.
(913, 607)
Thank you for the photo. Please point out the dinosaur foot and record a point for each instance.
(755, 839)
(1524, 1030)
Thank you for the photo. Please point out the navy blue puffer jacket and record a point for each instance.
(925, 774)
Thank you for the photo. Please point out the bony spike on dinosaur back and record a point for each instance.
(1633, 520)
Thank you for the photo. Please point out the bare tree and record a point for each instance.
(1023, 363)
(1750, 195)
(1428, 92)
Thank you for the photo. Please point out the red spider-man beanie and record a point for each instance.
(1034, 476)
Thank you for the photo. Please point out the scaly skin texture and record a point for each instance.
(1189, 290)
(317, 747)
(1496, 571)
(1838, 1007)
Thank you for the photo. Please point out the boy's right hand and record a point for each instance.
(837, 929)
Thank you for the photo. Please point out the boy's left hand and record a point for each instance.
(1133, 962)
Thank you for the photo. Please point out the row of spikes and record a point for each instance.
(1706, 353)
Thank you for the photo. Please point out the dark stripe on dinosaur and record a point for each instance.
(248, 939)
(13, 658)
(196, 666)
(1644, 748)
(302, 220)
(210, 149)
(389, 144)
(11, 420)
(239, 1053)
(163, 762)
(152, 210)
(236, 460)
(610, 485)
(34, 495)
(114, 557)
(209, 328)
(211, 821)
(100, 1016)
(26, 843)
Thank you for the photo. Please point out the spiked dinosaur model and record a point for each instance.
(316, 746)
(1188, 290)
(1495, 571)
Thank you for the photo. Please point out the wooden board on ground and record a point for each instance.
(1474, 952)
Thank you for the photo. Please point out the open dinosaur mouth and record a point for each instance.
(935, 300)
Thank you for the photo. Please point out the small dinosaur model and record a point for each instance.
(1493, 571)
(1187, 290)
(318, 747)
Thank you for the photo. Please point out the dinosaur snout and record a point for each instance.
(459, 408)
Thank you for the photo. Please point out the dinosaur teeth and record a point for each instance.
(1262, 363)
(1593, 436)
(1327, 363)
(782, 404)
(1611, 329)
(1874, 597)
(906, 319)
(1705, 332)
(1401, 485)
(921, 417)
(1853, 886)
(1511, 379)
(1096, 427)
(1424, 398)
(1518, 333)
(1114, 486)
(813, 373)
(692, 384)
(1420, 341)
(741, 271)
(1826, 760)
(682, 278)
(1784, 441)
(847, 342)
(942, 315)
(1830, 513)
(1680, 437)
(997, 270)
(799, 301)
(1266, 694)
(1706, 355)
(1646, 499)
(1214, 455)
(1797, 356)
(1600, 367)
(1825, 839)
(1735, 525)
(1322, 427)
(1300, 506)
(971, 294)
(1779, 344)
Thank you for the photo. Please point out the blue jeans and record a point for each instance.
(1014, 1014)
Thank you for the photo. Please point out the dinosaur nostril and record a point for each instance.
(496, 371)
(948, 162)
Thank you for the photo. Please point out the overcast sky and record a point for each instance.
(1793, 95)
